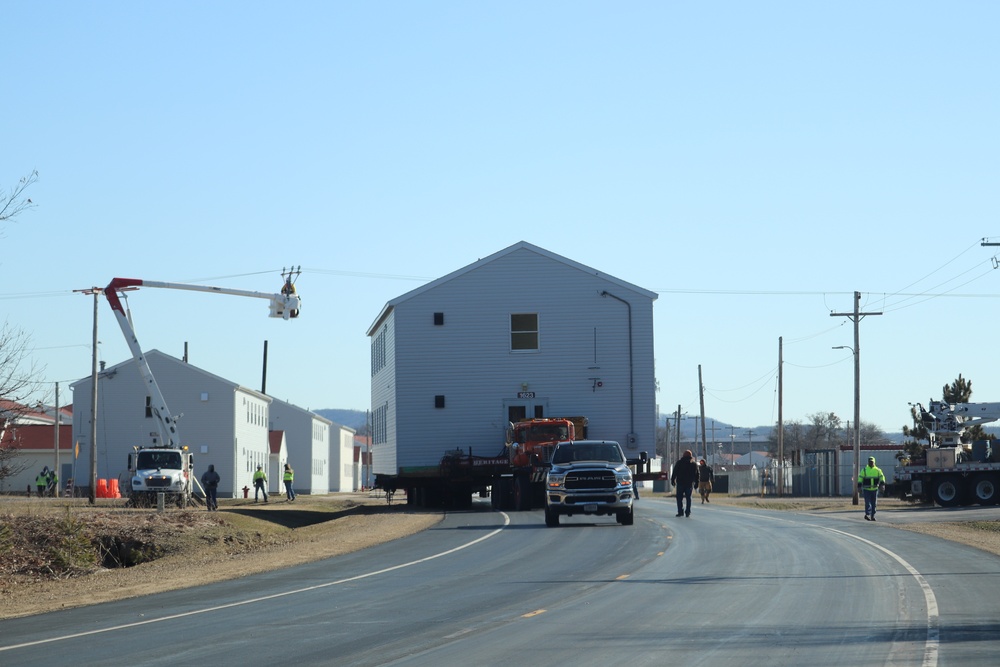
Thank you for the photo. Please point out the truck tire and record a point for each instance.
(500, 493)
(948, 491)
(551, 518)
(984, 489)
(522, 494)
(626, 517)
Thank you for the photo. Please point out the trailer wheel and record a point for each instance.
(500, 493)
(984, 490)
(551, 518)
(522, 494)
(948, 491)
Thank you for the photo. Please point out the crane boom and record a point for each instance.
(285, 304)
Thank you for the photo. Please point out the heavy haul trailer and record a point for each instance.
(953, 473)
(514, 479)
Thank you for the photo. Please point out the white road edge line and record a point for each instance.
(506, 522)
(933, 642)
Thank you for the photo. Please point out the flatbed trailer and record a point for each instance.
(966, 483)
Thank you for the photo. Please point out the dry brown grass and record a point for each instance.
(177, 548)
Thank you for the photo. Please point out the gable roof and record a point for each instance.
(21, 413)
(38, 437)
(278, 403)
(108, 372)
(521, 245)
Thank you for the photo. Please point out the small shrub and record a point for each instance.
(72, 549)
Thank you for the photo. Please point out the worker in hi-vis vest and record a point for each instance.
(870, 482)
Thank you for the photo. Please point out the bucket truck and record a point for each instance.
(166, 466)
(954, 473)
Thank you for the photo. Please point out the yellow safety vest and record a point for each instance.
(871, 477)
(289, 475)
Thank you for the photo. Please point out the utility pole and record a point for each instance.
(96, 291)
(701, 396)
(781, 429)
(856, 317)
(56, 419)
(677, 451)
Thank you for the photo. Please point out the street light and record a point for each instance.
(857, 418)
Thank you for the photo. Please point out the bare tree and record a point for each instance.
(15, 202)
(17, 373)
(17, 383)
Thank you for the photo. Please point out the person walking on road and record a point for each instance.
(259, 484)
(705, 478)
(42, 481)
(871, 480)
(210, 480)
(288, 477)
(684, 478)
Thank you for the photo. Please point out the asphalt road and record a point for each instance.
(728, 586)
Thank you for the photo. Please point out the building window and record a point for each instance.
(378, 352)
(439, 401)
(524, 331)
(439, 319)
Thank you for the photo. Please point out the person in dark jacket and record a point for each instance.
(684, 478)
(210, 480)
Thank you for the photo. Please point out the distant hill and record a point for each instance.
(690, 426)
(351, 418)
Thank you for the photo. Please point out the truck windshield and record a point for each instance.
(151, 459)
(597, 452)
(546, 433)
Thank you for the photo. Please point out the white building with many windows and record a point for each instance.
(521, 333)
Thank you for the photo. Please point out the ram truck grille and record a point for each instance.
(591, 480)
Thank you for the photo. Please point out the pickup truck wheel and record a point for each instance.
(551, 518)
(984, 490)
(948, 491)
(626, 517)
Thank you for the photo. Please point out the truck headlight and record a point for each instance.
(555, 481)
(624, 479)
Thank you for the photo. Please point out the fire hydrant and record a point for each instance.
(246, 491)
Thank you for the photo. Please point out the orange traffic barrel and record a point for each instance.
(102, 488)
(113, 491)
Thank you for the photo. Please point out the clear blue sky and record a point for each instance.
(754, 163)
